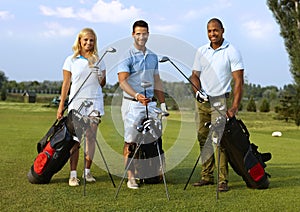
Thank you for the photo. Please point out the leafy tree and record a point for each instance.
(265, 106)
(3, 82)
(3, 79)
(287, 15)
(285, 107)
(251, 107)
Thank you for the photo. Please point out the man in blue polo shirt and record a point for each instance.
(138, 65)
(215, 65)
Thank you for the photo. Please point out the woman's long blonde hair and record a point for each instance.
(77, 47)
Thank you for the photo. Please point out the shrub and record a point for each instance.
(251, 107)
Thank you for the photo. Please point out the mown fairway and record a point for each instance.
(23, 125)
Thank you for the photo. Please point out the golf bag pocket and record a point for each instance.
(253, 166)
(43, 158)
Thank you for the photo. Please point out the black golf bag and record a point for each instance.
(54, 148)
(150, 168)
(243, 156)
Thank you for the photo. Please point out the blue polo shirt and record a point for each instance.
(141, 68)
(216, 67)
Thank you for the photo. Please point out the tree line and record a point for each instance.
(256, 98)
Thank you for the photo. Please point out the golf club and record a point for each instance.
(200, 92)
(108, 50)
(160, 112)
(165, 59)
(146, 84)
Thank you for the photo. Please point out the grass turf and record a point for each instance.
(23, 125)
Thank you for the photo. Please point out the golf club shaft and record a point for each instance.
(98, 62)
(163, 171)
(145, 93)
(104, 161)
(197, 161)
(184, 75)
(218, 171)
(128, 163)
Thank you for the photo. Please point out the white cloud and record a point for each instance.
(57, 30)
(112, 12)
(166, 28)
(60, 12)
(206, 9)
(6, 15)
(257, 29)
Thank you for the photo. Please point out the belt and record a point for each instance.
(153, 99)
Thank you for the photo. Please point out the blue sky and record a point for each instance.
(37, 35)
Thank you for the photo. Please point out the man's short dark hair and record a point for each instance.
(216, 20)
(140, 23)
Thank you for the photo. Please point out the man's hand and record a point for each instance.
(232, 112)
(201, 96)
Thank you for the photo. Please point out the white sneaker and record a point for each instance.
(89, 178)
(74, 181)
(132, 184)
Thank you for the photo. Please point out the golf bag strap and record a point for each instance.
(243, 126)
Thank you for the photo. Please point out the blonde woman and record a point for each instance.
(76, 69)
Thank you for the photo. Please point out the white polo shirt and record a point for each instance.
(216, 67)
(91, 90)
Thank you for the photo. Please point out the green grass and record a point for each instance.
(23, 125)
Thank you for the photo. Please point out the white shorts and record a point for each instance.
(132, 114)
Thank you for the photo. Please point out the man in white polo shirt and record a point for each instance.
(215, 65)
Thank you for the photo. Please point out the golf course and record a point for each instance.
(22, 125)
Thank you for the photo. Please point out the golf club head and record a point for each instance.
(164, 59)
(164, 113)
(87, 103)
(157, 110)
(146, 84)
(111, 50)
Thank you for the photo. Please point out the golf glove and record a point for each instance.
(95, 69)
(163, 107)
(201, 96)
(100, 74)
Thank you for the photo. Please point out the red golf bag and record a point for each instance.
(54, 148)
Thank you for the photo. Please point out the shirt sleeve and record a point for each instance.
(196, 65)
(124, 64)
(67, 64)
(236, 60)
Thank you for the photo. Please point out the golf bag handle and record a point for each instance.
(243, 126)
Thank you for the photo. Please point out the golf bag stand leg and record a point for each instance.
(84, 164)
(104, 161)
(127, 167)
(197, 161)
(163, 171)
